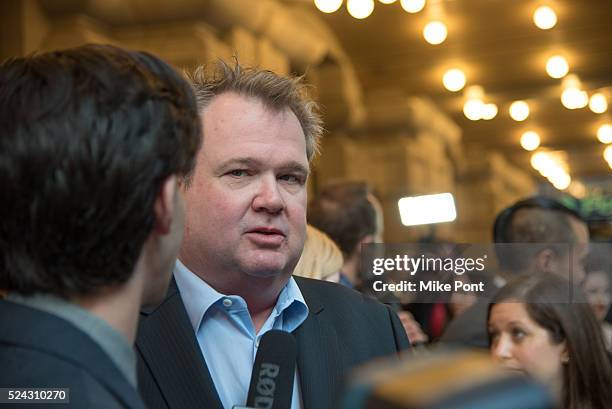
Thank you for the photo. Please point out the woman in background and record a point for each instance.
(598, 291)
(535, 329)
(321, 258)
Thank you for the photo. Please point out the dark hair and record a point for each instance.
(544, 223)
(88, 136)
(561, 309)
(344, 212)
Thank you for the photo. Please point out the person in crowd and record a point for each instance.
(96, 142)
(351, 216)
(245, 231)
(541, 325)
(535, 235)
(321, 259)
(597, 287)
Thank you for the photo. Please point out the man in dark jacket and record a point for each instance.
(96, 142)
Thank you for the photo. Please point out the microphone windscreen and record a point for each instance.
(443, 380)
(273, 371)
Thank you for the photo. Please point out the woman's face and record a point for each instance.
(520, 344)
(596, 287)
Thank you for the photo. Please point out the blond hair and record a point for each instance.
(274, 91)
(321, 257)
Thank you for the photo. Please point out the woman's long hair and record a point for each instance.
(560, 308)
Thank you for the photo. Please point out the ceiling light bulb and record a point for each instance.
(489, 111)
(387, 1)
(454, 80)
(435, 32)
(412, 6)
(598, 103)
(544, 17)
(472, 109)
(328, 6)
(608, 153)
(360, 9)
(519, 110)
(604, 133)
(530, 141)
(577, 189)
(573, 98)
(539, 160)
(557, 66)
(561, 181)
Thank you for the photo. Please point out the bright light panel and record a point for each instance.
(387, 1)
(428, 209)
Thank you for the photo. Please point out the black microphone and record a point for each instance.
(273, 372)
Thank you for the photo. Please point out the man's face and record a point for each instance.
(246, 208)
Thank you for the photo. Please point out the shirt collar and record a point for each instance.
(198, 297)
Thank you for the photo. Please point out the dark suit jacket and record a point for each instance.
(343, 329)
(38, 349)
(470, 328)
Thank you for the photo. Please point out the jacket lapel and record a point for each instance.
(173, 355)
(319, 359)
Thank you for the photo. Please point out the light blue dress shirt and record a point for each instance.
(226, 333)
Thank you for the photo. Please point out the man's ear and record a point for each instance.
(545, 261)
(165, 203)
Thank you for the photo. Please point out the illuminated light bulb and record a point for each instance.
(519, 110)
(472, 109)
(548, 170)
(530, 140)
(598, 103)
(435, 32)
(561, 181)
(577, 189)
(571, 81)
(608, 153)
(360, 9)
(604, 133)
(489, 111)
(557, 66)
(387, 1)
(412, 6)
(454, 80)
(573, 98)
(539, 160)
(544, 18)
(328, 6)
